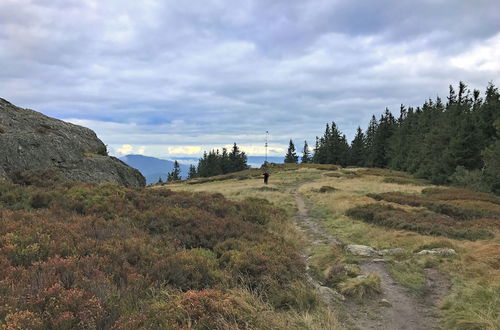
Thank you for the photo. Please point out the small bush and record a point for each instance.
(473, 180)
(193, 269)
(327, 189)
(102, 150)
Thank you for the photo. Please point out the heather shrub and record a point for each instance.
(459, 194)
(266, 265)
(193, 269)
(23, 320)
(424, 222)
(98, 256)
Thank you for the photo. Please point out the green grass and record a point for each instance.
(409, 274)
(472, 306)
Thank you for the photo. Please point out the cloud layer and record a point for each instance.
(170, 78)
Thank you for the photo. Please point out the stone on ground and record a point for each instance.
(362, 250)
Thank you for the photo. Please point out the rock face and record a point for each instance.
(31, 142)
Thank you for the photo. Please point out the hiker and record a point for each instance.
(266, 177)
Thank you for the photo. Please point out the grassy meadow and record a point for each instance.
(388, 209)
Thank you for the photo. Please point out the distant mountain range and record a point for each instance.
(153, 168)
(253, 161)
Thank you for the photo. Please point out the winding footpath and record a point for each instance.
(405, 311)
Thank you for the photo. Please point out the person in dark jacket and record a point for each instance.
(266, 177)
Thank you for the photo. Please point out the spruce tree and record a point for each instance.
(237, 159)
(358, 149)
(370, 141)
(193, 173)
(291, 156)
(306, 155)
(175, 174)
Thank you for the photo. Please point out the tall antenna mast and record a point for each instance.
(267, 136)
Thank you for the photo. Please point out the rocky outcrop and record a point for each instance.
(446, 252)
(362, 250)
(31, 142)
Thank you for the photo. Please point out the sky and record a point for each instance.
(174, 78)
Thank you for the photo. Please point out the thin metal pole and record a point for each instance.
(267, 136)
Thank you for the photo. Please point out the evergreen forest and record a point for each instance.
(453, 142)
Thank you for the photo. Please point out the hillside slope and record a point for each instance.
(401, 251)
(31, 142)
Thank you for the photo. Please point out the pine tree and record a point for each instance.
(358, 149)
(193, 173)
(175, 174)
(370, 141)
(160, 180)
(291, 156)
(237, 159)
(306, 155)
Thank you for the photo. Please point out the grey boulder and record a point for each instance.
(31, 142)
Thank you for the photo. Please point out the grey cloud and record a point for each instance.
(153, 71)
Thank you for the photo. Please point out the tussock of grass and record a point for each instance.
(479, 307)
(360, 288)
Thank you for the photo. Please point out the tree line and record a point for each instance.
(214, 162)
(455, 142)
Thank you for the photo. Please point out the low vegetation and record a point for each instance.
(415, 217)
(360, 288)
(103, 256)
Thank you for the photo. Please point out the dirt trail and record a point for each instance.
(407, 311)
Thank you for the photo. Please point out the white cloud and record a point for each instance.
(125, 149)
(184, 150)
(483, 56)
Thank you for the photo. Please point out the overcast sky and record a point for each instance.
(173, 78)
